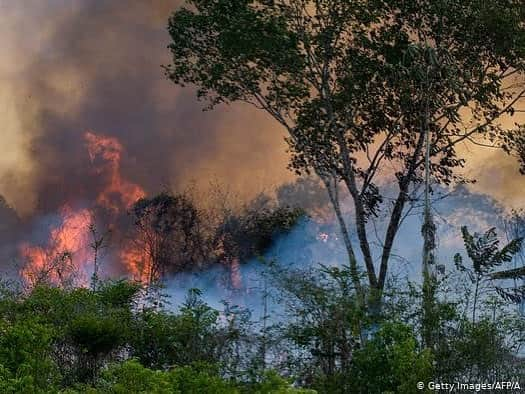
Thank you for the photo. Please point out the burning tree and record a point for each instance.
(73, 251)
(251, 232)
(356, 84)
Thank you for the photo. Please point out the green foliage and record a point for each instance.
(391, 362)
(119, 294)
(26, 363)
(78, 328)
(161, 340)
(96, 335)
(272, 383)
(153, 339)
(189, 380)
(486, 256)
(97, 341)
(480, 347)
(132, 377)
(484, 250)
(323, 326)
(352, 83)
(349, 80)
(324, 310)
(477, 351)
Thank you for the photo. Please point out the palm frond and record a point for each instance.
(516, 273)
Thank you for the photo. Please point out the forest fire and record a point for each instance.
(117, 196)
(67, 253)
(105, 154)
(137, 263)
(155, 246)
(291, 196)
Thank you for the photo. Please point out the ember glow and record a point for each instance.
(67, 249)
(235, 274)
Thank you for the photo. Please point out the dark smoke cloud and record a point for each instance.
(96, 65)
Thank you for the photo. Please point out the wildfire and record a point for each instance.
(66, 255)
(105, 153)
(117, 195)
(137, 263)
(67, 251)
(235, 274)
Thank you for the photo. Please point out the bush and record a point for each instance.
(25, 358)
(391, 362)
(131, 377)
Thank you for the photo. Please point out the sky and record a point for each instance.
(67, 66)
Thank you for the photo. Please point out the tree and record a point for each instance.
(486, 256)
(253, 231)
(84, 328)
(515, 228)
(99, 241)
(162, 339)
(25, 356)
(354, 83)
(323, 325)
(169, 232)
(391, 362)
(132, 377)
(96, 337)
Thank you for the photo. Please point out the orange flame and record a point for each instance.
(66, 256)
(137, 262)
(67, 251)
(118, 194)
(107, 152)
(235, 274)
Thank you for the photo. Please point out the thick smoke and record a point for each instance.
(71, 66)
(315, 242)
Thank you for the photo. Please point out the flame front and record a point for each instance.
(137, 262)
(66, 255)
(67, 251)
(106, 153)
(117, 196)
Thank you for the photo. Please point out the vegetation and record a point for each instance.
(111, 339)
(176, 236)
(117, 337)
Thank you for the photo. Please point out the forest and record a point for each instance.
(378, 268)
